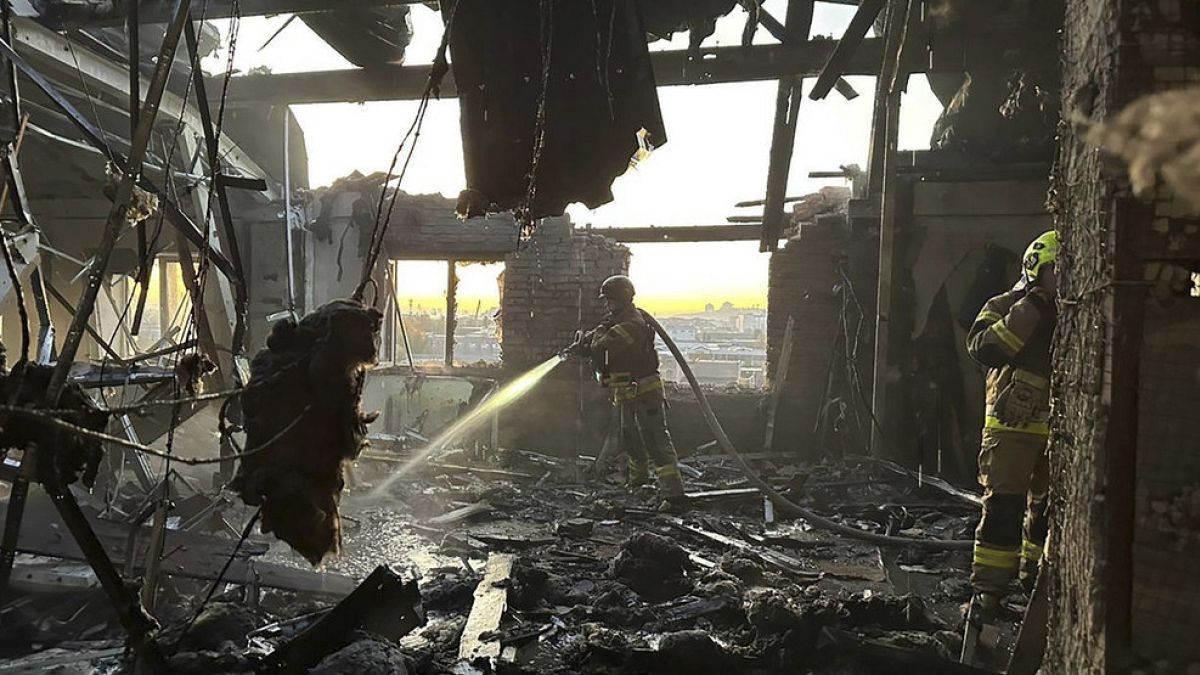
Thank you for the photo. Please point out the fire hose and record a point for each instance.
(783, 504)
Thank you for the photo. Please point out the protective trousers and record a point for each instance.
(644, 437)
(1014, 476)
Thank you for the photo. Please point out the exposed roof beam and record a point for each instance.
(79, 15)
(716, 65)
(855, 34)
(676, 234)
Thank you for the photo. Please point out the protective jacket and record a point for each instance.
(622, 350)
(1011, 338)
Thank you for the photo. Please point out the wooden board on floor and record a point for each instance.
(491, 601)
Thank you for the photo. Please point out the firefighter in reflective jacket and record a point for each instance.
(1011, 338)
(623, 355)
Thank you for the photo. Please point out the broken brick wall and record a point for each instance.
(802, 282)
(550, 289)
(1118, 597)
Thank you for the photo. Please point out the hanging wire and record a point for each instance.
(383, 218)
(525, 212)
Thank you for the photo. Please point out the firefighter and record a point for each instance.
(622, 352)
(1011, 337)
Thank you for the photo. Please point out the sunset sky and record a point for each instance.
(716, 155)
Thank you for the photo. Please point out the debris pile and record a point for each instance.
(63, 457)
(303, 422)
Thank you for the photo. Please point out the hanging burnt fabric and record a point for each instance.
(663, 18)
(303, 405)
(599, 94)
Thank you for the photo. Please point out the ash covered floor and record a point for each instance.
(596, 580)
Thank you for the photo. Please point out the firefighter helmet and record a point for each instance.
(1042, 252)
(618, 287)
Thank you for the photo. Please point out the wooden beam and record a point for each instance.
(491, 600)
(783, 139)
(884, 132)
(677, 234)
(716, 65)
(854, 36)
(781, 373)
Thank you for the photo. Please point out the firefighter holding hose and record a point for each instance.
(623, 355)
(1011, 337)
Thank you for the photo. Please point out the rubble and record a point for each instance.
(654, 566)
(366, 655)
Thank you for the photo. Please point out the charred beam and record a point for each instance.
(843, 55)
(783, 139)
(683, 233)
(212, 144)
(715, 65)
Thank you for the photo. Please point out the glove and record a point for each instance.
(582, 346)
(1021, 399)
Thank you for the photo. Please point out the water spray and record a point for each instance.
(472, 421)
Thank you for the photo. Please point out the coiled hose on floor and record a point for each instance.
(783, 504)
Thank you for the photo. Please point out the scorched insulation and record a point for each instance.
(301, 407)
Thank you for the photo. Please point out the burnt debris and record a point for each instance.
(303, 421)
(545, 124)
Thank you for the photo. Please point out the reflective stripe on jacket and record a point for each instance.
(1011, 337)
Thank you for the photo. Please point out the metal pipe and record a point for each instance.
(116, 215)
(287, 209)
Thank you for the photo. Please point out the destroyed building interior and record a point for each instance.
(313, 336)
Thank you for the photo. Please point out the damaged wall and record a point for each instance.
(550, 290)
(802, 279)
(1109, 586)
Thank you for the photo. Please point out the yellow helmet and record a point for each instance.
(1043, 251)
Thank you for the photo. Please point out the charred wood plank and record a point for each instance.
(64, 15)
(385, 604)
(491, 601)
(843, 54)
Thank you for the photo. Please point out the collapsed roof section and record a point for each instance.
(550, 121)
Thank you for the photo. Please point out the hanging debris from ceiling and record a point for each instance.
(556, 99)
(302, 408)
(364, 36)
(663, 18)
